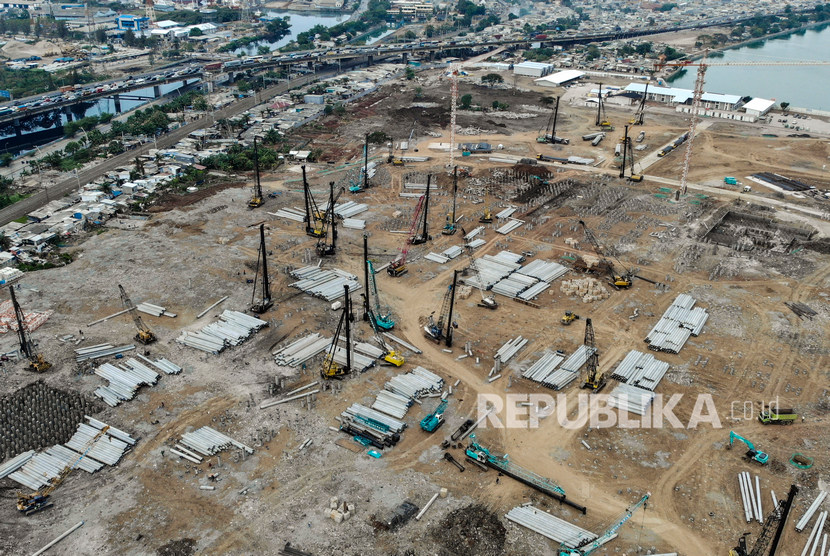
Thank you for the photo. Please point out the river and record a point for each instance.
(300, 23)
(802, 86)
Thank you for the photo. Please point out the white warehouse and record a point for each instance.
(532, 69)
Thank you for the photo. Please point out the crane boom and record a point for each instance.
(609, 533)
(144, 335)
(265, 302)
(595, 379)
(330, 368)
(398, 266)
(619, 281)
(256, 194)
(313, 217)
(36, 361)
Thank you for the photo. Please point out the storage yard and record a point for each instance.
(239, 431)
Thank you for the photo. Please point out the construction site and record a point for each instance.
(388, 351)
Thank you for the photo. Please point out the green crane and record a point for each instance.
(752, 453)
(609, 533)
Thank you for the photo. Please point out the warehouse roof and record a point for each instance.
(759, 104)
(561, 77)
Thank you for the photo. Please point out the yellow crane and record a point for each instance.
(145, 335)
(36, 361)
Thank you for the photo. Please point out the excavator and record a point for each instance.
(29, 504)
(435, 330)
(450, 228)
(331, 369)
(609, 534)
(144, 335)
(619, 281)
(434, 420)
(27, 347)
(256, 195)
(569, 317)
(595, 380)
(487, 216)
(777, 518)
(752, 453)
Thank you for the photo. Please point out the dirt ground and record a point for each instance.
(753, 348)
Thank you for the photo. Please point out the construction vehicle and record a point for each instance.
(389, 355)
(144, 335)
(331, 369)
(618, 281)
(549, 136)
(602, 120)
(752, 453)
(424, 236)
(778, 518)
(487, 215)
(569, 317)
(777, 416)
(640, 115)
(27, 347)
(435, 330)
(379, 318)
(256, 194)
(392, 159)
(29, 504)
(450, 227)
(502, 464)
(609, 534)
(314, 217)
(326, 248)
(595, 379)
(434, 420)
(729, 180)
(398, 267)
(264, 302)
(628, 157)
(363, 181)
(487, 301)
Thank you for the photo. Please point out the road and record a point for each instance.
(41, 198)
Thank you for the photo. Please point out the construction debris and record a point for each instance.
(31, 320)
(589, 289)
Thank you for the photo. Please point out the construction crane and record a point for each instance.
(640, 115)
(331, 369)
(628, 157)
(256, 194)
(435, 330)
(450, 227)
(487, 216)
(389, 355)
(487, 301)
(502, 464)
(619, 281)
(314, 217)
(264, 302)
(29, 504)
(144, 335)
(454, 70)
(549, 136)
(702, 66)
(363, 181)
(752, 453)
(434, 420)
(379, 318)
(595, 379)
(778, 517)
(602, 119)
(609, 534)
(27, 347)
(424, 236)
(398, 267)
(324, 247)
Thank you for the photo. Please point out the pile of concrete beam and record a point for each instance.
(545, 271)
(207, 441)
(641, 369)
(805, 519)
(154, 310)
(360, 362)
(416, 383)
(392, 404)
(681, 320)
(751, 497)
(504, 275)
(164, 365)
(289, 213)
(544, 367)
(298, 352)
(348, 209)
(512, 224)
(630, 398)
(510, 348)
(371, 426)
(557, 379)
(552, 527)
(101, 350)
(36, 470)
(354, 223)
(506, 213)
(231, 329)
(124, 380)
(324, 283)
(589, 289)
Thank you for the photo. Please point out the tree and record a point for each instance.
(429, 31)
(409, 35)
(200, 104)
(263, 50)
(643, 48)
(115, 147)
(593, 52)
(101, 36)
(72, 147)
(195, 32)
(492, 79)
(339, 109)
(129, 37)
(419, 92)
(466, 101)
(784, 106)
(547, 100)
(328, 110)
(409, 73)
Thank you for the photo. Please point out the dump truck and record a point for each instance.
(777, 416)
(729, 180)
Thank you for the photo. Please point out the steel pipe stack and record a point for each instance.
(511, 348)
(208, 442)
(542, 369)
(300, 351)
(554, 528)
(640, 369)
(325, 283)
(678, 323)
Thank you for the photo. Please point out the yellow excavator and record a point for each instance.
(29, 504)
(569, 317)
(36, 361)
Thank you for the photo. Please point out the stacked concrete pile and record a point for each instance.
(589, 289)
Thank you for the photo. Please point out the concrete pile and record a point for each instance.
(589, 289)
(232, 329)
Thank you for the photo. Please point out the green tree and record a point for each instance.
(419, 92)
(409, 35)
(593, 52)
(263, 50)
(784, 106)
(643, 48)
(72, 147)
(409, 73)
(466, 102)
(101, 36)
(115, 147)
(129, 37)
(328, 110)
(492, 79)
(195, 32)
(339, 109)
(429, 31)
